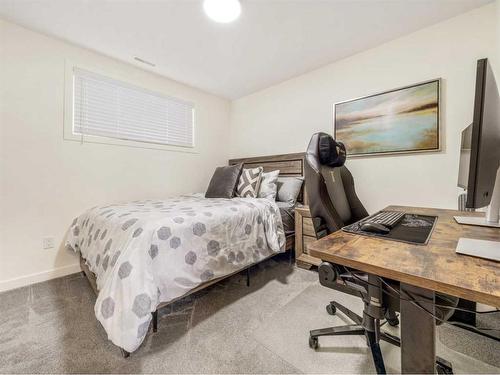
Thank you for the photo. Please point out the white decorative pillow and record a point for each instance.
(269, 185)
(249, 183)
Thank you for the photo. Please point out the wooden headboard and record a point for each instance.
(288, 165)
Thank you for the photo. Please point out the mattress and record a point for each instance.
(144, 253)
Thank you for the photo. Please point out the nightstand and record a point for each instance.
(304, 234)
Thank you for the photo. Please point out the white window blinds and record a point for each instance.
(105, 107)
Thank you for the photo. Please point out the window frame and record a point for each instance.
(69, 135)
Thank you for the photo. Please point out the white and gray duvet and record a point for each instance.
(148, 252)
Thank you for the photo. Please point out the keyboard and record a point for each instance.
(388, 219)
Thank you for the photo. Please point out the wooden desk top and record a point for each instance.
(434, 266)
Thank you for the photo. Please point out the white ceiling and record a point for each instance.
(272, 41)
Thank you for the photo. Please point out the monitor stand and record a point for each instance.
(482, 248)
(492, 214)
(479, 248)
(479, 221)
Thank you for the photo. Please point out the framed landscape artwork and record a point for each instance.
(397, 121)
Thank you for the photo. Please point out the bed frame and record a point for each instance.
(288, 165)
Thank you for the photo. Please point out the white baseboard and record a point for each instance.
(38, 277)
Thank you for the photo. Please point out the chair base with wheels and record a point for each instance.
(369, 324)
(390, 316)
(442, 366)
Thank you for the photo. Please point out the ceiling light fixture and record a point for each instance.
(222, 11)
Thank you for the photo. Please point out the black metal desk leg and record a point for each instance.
(418, 332)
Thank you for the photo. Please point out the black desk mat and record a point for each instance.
(414, 229)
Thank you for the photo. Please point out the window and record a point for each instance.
(104, 107)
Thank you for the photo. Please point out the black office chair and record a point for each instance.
(333, 203)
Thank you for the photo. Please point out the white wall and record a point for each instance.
(282, 118)
(46, 181)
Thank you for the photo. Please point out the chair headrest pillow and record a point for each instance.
(331, 152)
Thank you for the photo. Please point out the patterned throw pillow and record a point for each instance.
(269, 185)
(249, 183)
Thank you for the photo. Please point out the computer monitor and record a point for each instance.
(464, 165)
(479, 170)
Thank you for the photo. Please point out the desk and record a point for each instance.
(421, 270)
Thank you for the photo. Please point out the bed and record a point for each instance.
(141, 256)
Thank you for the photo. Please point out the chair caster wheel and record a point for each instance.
(394, 322)
(444, 370)
(313, 343)
(331, 309)
(125, 354)
(443, 366)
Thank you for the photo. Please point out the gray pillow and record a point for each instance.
(289, 189)
(223, 182)
(268, 185)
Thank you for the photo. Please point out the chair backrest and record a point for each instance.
(330, 186)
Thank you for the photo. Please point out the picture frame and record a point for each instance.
(404, 120)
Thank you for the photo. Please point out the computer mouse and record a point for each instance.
(374, 228)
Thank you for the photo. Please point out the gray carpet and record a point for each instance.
(228, 328)
(350, 354)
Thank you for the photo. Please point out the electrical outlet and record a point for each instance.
(48, 242)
